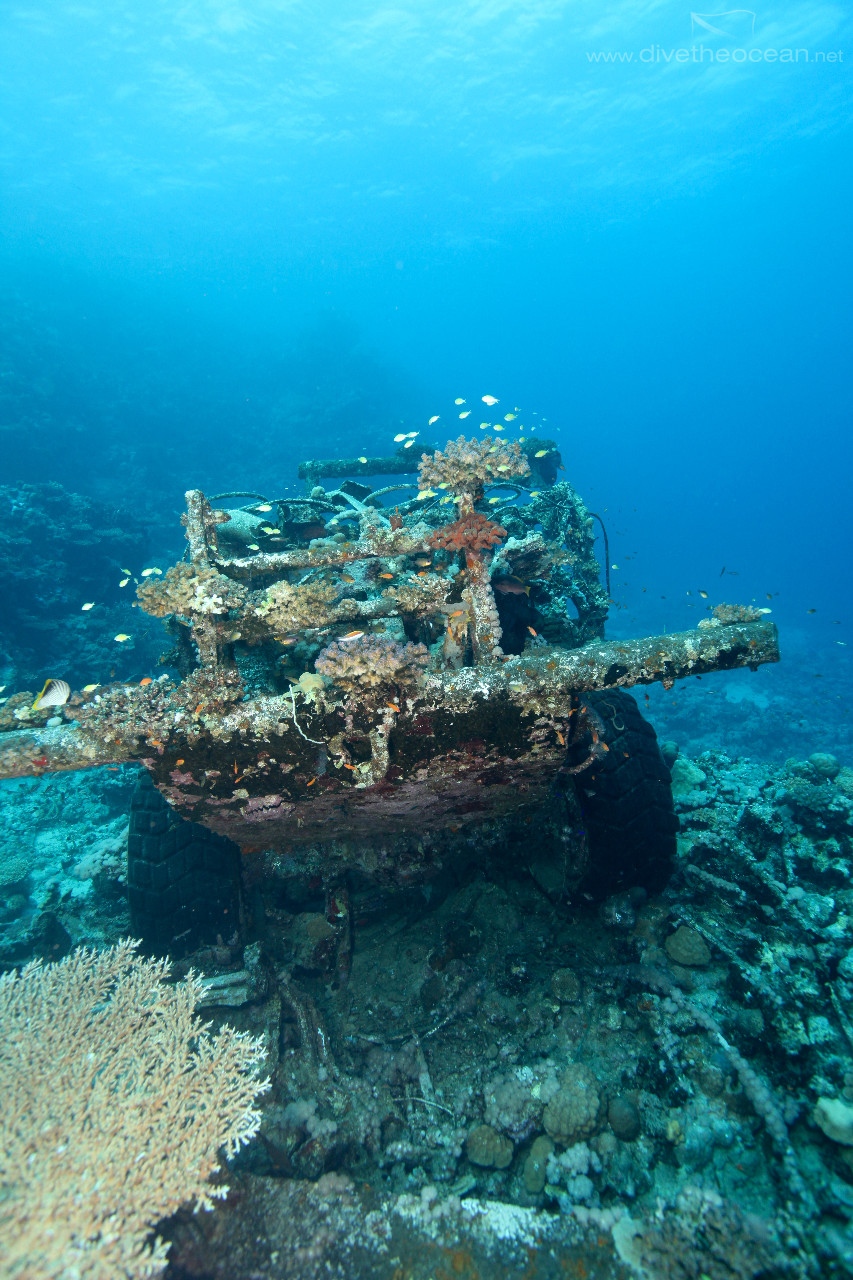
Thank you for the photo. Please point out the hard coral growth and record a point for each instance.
(372, 662)
(285, 607)
(188, 589)
(419, 595)
(471, 532)
(466, 465)
(728, 613)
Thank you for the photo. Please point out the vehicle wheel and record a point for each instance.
(183, 880)
(625, 798)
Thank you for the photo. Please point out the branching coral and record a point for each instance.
(372, 662)
(466, 465)
(419, 595)
(284, 607)
(116, 1101)
(189, 589)
(471, 532)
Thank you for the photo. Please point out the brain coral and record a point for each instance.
(574, 1110)
(191, 588)
(466, 465)
(371, 662)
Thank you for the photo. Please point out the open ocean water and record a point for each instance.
(238, 237)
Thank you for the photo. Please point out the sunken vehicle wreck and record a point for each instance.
(375, 682)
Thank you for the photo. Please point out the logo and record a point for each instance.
(734, 24)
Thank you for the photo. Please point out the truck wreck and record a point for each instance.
(368, 674)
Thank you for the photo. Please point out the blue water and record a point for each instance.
(236, 236)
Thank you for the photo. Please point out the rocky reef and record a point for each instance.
(655, 1085)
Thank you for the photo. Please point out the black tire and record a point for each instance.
(626, 800)
(183, 881)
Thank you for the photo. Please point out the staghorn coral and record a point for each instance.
(188, 589)
(372, 662)
(116, 1101)
(466, 465)
(284, 607)
(471, 532)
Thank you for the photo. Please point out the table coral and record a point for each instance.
(466, 465)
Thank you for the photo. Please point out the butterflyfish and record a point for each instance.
(54, 694)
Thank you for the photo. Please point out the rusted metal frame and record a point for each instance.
(29, 752)
(395, 465)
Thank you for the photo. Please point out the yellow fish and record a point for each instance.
(412, 434)
(54, 694)
(124, 582)
(704, 595)
(540, 453)
(466, 414)
(267, 528)
(494, 500)
(534, 493)
(401, 436)
(435, 417)
(265, 506)
(459, 400)
(352, 635)
(426, 493)
(89, 688)
(87, 607)
(362, 459)
(504, 468)
(408, 444)
(253, 546)
(347, 577)
(146, 573)
(510, 417)
(499, 426)
(489, 400)
(121, 637)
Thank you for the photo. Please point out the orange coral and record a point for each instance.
(471, 532)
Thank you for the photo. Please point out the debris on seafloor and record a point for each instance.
(471, 1061)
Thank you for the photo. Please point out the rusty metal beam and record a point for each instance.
(538, 680)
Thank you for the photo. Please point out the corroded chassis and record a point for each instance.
(278, 771)
(471, 743)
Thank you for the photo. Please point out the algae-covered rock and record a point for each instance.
(686, 777)
(536, 1165)
(824, 764)
(565, 986)
(835, 1118)
(687, 947)
(624, 1118)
